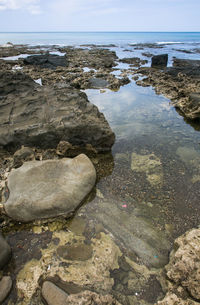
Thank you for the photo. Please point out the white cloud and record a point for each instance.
(31, 6)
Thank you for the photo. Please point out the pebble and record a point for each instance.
(5, 287)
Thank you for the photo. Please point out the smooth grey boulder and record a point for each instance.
(5, 287)
(5, 252)
(32, 115)
(44, 189)
(159, 60)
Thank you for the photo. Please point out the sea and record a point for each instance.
(117, 38)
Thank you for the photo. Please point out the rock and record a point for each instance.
(172, 299)
(97, 83)
(5, 252)
(23, 154)
(159, 60)
(184, 266)
(44, 189)
(49, 61)
(150, 165)
(55, 296)
(63, 147)
(15, 82)
(136, 61)
(132, 231)
(32, 115)
(5, 287)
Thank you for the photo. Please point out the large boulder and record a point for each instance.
(159, 60)
(32, 115)
(49, 61)
(5, 252)
(44, 189)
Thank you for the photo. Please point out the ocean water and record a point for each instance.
(117, 38)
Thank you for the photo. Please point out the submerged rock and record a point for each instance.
(44, 189)
(5, 287)
(49, 61)
(150, 165)
(32, 115)
(53, 295)
(5, 252)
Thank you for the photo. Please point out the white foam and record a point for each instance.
(38, 81)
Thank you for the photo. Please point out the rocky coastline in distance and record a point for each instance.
(52, 140)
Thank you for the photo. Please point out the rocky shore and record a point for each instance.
(54, 146)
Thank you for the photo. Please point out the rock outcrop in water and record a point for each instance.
(159, 60)
(180, 83)
(42, 116)
(44, 189)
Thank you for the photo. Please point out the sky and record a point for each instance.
(99, 15)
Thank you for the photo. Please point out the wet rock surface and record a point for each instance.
(44, 189)
(43, 116)
(5, 252)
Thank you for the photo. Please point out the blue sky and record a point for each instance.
(99, 15)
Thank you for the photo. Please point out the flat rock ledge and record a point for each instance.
(5, 252)
(53, 295)
(45, 189)
(42, 116)
(183, 271)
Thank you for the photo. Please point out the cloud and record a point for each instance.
(32, 6)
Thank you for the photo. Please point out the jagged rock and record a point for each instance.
(5, 252)
(5, 287)
(172, 299)
(159, 60)
(53, 295)
(49, 61)
(32, 115)
(184, 265)
(44, 189)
